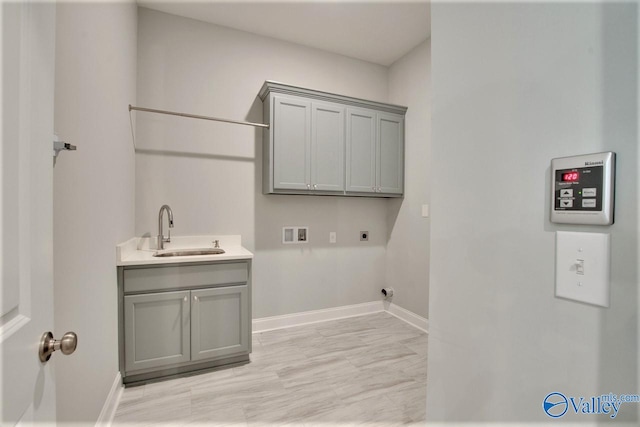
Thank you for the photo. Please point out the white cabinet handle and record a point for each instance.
(185, 299)
(195, 298)
(308, 186)
(315, 186)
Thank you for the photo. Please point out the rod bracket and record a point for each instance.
(59, 146)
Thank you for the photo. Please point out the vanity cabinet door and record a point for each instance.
(219, 322)
(156, 331)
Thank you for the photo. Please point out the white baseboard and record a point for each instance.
(307, 317)
(297, 319)
(408, 316)
(111, 404)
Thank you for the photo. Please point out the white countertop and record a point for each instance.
(140, 250)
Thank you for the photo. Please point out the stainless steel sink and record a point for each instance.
(189, 252)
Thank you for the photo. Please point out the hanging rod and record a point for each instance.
(193, 116)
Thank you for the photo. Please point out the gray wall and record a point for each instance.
(408, 245)
(515, 85)
(210, 173)
(93, 195)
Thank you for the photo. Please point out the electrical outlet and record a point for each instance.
(364, 236)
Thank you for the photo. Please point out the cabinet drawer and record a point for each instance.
(186, 276)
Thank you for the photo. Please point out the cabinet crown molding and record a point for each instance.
(271, 86)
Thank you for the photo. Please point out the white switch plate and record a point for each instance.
(332, 237)
(425, 211)
(583, 267)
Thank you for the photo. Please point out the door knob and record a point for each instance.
(48, 345)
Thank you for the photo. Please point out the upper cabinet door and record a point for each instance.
(390, 153)
(361, 150)
(291, 144)
(327, 147)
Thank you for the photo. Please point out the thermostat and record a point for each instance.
(582, 189)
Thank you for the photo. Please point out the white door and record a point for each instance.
(26, 210)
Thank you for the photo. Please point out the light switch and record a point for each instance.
(332, 237)
(583, 267)
(425, 211)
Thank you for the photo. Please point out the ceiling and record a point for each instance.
(376, 31)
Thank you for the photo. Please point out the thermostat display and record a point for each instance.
(571, 176)
(583, 189)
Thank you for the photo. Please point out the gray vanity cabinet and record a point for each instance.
(182, 317)
(327, 144)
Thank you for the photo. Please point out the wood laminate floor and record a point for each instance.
(366, 370)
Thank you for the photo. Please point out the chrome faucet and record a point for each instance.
(161, 238)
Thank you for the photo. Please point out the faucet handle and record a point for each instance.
(216, 243)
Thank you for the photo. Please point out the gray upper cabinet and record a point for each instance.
(327, 144)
